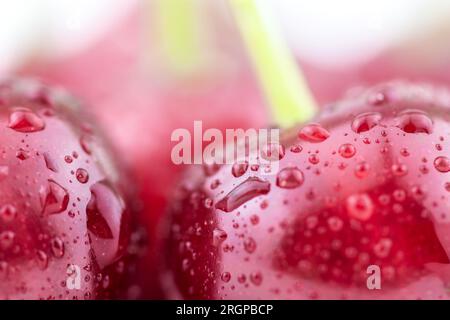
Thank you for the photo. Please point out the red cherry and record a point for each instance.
(129, 101)
(64, 222)
(313, 228)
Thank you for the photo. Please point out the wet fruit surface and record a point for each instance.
(64, 222)
(366, 184)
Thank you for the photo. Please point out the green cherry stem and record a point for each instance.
(281, 79)
(181, 36)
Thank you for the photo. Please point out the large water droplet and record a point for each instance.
(247, 190)
(239, 168)
(442, 164)
(82, 175)
(54, 198)
(314, 133)
(107, 220)
(347, 150)
(290, 178)
(25, 120)
(96, 222)
(360, 206)
(366, 121)
(414, 121)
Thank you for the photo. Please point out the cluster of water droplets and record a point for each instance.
(55, 195)
(360, 206)
(291, 177)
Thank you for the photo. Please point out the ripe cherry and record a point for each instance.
(140, 114)
(64, 219)
(375, 194)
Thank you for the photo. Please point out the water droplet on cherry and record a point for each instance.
(360, 206)
(226, 277)
(82, 175)
(273, 152)
(57, 246)
(6, 239)
(362, 169)
(347, 150)
(399, 169)
(239, 168)
(290, 178)
(256, 278)
(247, 190)
(296, 148)
(250, 245)
(254, 219)
(314, 133)
(25, 120)
(85, 143)
(96, 222)
(442, 164)
(54, 198)
(414, 121)
(313, 158)
(219, 236)
(366, 121)
(447, 186)
(50, 163)
(8, 213)
(404, 152)
(22, 154)
(42, 259)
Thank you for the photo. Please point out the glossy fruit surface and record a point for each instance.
(64, 219)
(366, 184)
(140, 113)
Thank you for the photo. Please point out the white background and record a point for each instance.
(352, 30)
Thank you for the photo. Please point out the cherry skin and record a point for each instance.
(366, 184)
(140, 113)
(64, 217)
